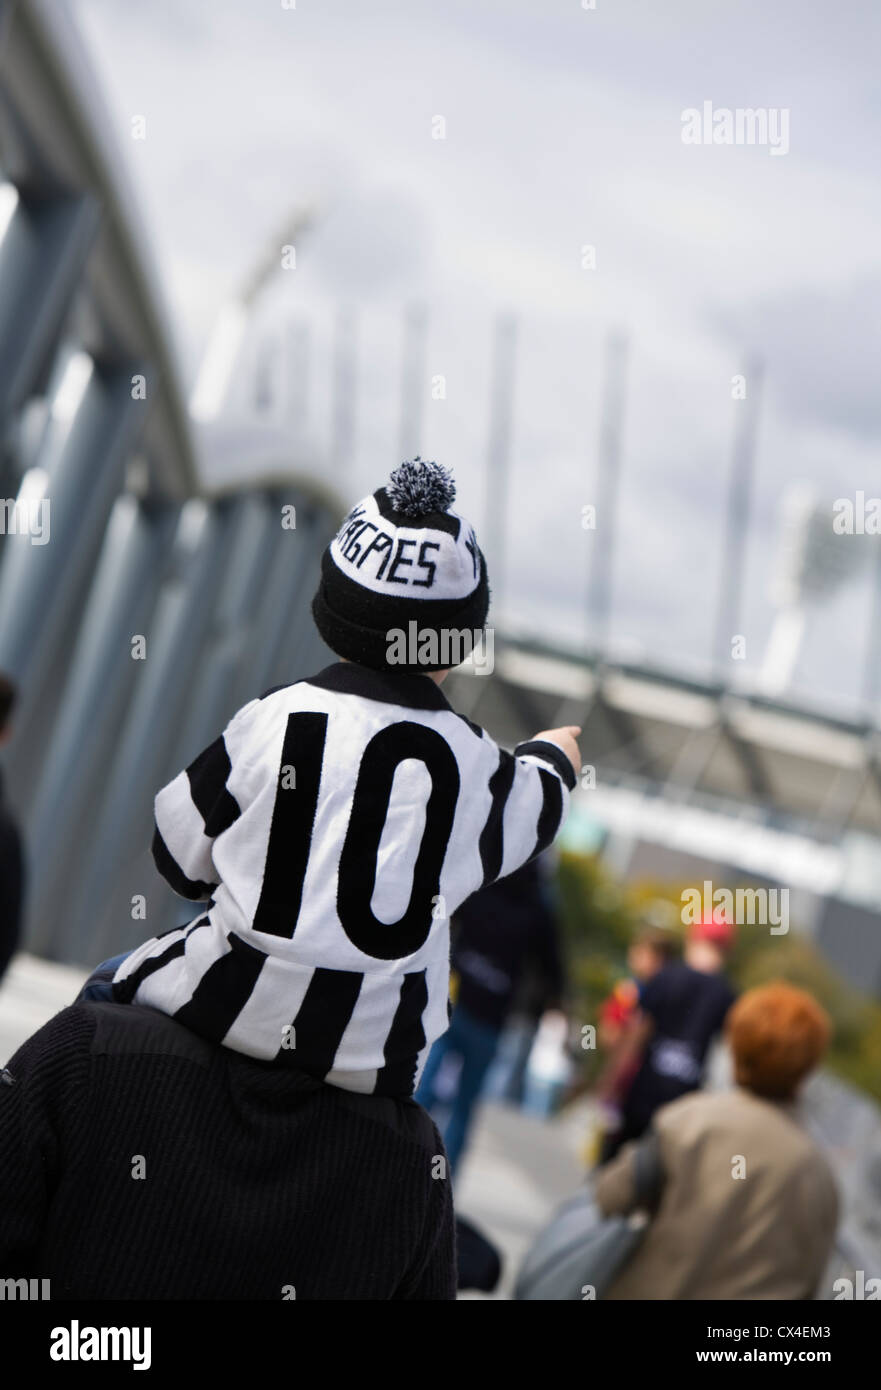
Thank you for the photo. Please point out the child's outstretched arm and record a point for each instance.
(530, 797)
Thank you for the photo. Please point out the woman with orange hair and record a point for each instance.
(748, 1207)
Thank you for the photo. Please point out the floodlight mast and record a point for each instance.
(815, 563)
(612, 414)
(737, 519)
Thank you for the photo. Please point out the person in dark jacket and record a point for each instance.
(682, 1008)
(499, 932)
(220, 1176)
(11, 858)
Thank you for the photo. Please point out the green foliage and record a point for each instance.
(600, 916)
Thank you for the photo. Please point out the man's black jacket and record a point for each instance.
(138, 1161)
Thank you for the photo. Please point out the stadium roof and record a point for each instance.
(687, 740)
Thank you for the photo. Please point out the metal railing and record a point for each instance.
(137, 611)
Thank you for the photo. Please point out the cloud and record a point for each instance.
(563, 128)
(825, 347)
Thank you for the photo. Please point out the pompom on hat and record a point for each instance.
(403, 557)
(420, 488)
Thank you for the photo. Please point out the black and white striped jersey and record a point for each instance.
(333, 828)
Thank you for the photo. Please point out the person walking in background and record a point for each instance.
(498, 932)
(650, 951)
(549, 1067)
(682, 1008)
(11, 856)
(748, 1206)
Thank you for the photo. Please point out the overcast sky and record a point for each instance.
(563, 129)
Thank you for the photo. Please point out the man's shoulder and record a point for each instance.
(712, 985)
(98, 1027)
(406, 1118)
(715, 983)
(134, 1029)
(116, 1030)
(56, 1048)
(667, 981)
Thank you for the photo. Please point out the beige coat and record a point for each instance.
(765, 1234)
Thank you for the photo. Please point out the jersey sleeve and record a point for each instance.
(529, 790)
(191, 811)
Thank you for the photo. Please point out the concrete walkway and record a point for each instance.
(32, 992)
(515, 1173)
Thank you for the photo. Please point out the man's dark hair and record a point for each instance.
(8, 697)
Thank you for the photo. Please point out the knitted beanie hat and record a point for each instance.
(403, 583)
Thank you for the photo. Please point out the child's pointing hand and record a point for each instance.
(565, 738)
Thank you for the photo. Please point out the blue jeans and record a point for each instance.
(99, 984)
(474, 1044)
